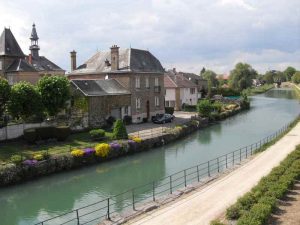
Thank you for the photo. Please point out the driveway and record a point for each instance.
(204, 205)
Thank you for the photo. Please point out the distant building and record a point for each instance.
(138, 71)
(180, 90)
(15, 66)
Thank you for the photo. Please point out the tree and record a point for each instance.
(289, 72)
(269, 77)
(202, 71)
(296, 77)
(211, 76)
(25, 101)
(279, 76)
(241, 76)
(120, 131)
(55, 91)
(4, 95)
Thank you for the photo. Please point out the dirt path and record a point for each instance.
(210, 202)
(288, 210)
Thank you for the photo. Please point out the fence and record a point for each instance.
(132, 199)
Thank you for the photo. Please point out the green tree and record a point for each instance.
(211, 76)
(269, 77)
(119, 131)
(4, 95)
(296, 77)
(241, 76)
(204, 108)
(289, 72)
(25, 101)
(202, 71)
(55, 91)
(279, 76)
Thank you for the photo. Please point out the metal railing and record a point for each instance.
(138, 196)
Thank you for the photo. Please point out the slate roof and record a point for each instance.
(100, 87)
(44, 64)
(130, 60)
(178, 80)
(8, 44)
(20, 65)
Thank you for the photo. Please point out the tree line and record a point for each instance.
(26, 101)
(241, 77)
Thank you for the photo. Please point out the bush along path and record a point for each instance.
(256, 206)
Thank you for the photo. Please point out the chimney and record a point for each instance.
(114, 51)
(73, 60)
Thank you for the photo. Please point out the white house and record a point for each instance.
(179, 91)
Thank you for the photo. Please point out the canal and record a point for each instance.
(35, 201)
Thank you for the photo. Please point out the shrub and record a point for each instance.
(16, 159)
(77, 153)
(30, 162)
(46, 155)
(89, 151)
(217, 106)
(127, 120)
(97, 134)
(110, 120)
(44, 133)
(257, 215)
(204, 108)
(169, 110)
(102, 150)
(30, 135)
(233, 212)
(62, 132)
(115, 146)
(38, 157)
(216, 222)
(137, 139)
(119, 131)
(189, 108)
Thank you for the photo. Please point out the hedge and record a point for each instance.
(255, 207)
(43, 133)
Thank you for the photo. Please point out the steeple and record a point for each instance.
(34, 47)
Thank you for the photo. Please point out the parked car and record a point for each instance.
(163, 118)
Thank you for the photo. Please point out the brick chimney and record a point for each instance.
(73, 60)
(114, 51)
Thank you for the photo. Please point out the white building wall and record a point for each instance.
(187, 97)
(170, 94)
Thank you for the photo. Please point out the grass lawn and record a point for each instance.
(20, 147)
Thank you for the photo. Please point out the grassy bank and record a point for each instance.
(258, 90)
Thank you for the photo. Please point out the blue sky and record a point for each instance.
(186, 34)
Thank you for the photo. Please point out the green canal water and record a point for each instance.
(37, 200)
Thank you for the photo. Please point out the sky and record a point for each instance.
(183, 34)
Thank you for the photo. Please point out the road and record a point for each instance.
(204, 205)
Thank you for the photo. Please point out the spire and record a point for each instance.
(34, 47)
(9, 45)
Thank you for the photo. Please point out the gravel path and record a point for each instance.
(209, 203)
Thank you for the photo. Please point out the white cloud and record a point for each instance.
(187, 33)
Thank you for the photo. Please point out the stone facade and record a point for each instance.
(136, 70)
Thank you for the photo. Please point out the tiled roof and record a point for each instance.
(134, 60)
(20, 65)
(44, 64)
(178, 80)
(100, 87)
(8, 44)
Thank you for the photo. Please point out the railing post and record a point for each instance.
(77, 217)
(153, 190)
(170, 184)
(133, 202)
(108, 213)
(198, 173)
(208, 171)
(184, 178)
(251, 150)
(226, 161)
(218, 165)
(240, 154)
(246, 152)
(233, 158)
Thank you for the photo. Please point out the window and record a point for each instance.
(156, 83)
(0, 65)
(126, 110)
(137, 82)
(167, 104)
(138, 103)
(192, 91)
(147, 82)
(156, 101)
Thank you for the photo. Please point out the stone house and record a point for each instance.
(179, 91)
(100, 99)
(15, 66)
(138, 71)
(202, 84)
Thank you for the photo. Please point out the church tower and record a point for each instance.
(34, 47)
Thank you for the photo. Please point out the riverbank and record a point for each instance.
(191, 209)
